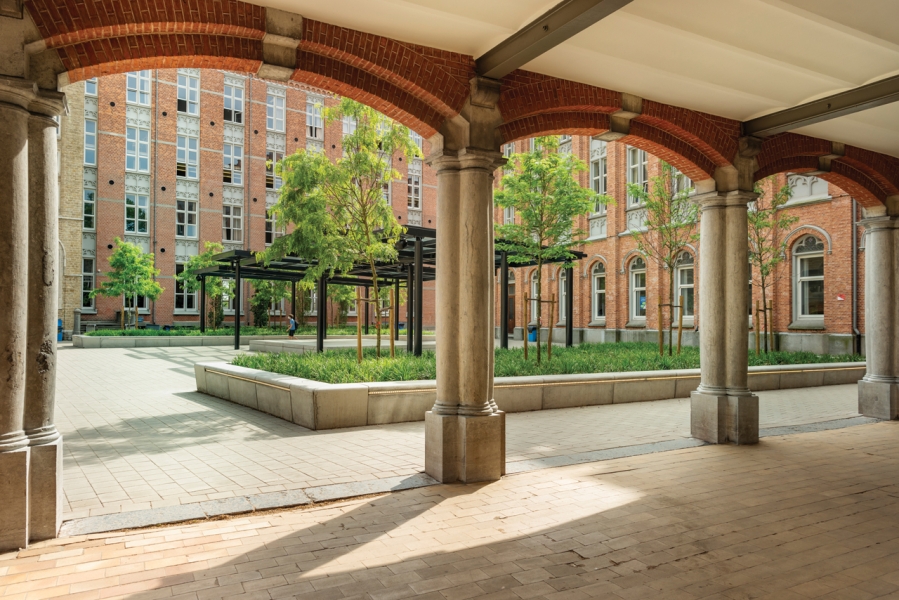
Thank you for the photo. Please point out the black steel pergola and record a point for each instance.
(416, 263)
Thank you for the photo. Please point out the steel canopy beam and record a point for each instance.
(561, 22)
(861, 98)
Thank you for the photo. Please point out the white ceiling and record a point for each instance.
(734, 58)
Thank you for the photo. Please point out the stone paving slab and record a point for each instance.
(812, 515)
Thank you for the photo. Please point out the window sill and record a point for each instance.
(595, 238)
(186, 312)
(804, 201)
(636, 324)
(815, 325)
(597, 323)
(88, 311)
(138, 233)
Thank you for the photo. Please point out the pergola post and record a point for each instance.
(419, 279)
(293, 299)
(237, 300)
(410, 309)
(504, 300)
(396, 312)
(202, 304)
(723, 409)
(323, 301)
(319, 318)
(569, 307)
(367, 316)
(878, 391)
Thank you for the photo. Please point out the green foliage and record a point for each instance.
(344, 296)
(264, 294)
(216, 287)
(544, 191)
(339, 366)
(132, 274)
(303, 330)
(338, 213)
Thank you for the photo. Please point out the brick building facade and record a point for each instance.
(174, 158)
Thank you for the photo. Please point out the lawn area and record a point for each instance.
(339, 366)
(228, 331)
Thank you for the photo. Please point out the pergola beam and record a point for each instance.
(852, 101)
(561, 22)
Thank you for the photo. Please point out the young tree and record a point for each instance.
(264, 294)
(767, 248)
(338, 211)
(547, 199)
(216, 287)
(132, 275)
(670, 225)
(344, 296)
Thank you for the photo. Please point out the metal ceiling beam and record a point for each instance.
(550, 29)
(861, 98)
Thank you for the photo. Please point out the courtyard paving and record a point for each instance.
(138, 436)
(802, 516)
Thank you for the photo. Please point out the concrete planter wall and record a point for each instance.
(166, 341)
(317, 405)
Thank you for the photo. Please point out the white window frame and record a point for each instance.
(637, 173)
(680, 183)
(417, 140)
(272, 181)
(637, 268)
(272, 230)
(232, 164)
(599, 172)
(684, 263)
(387, 192)
(188, 94)
(533, 316)
(509, 215)
(232, 223)
(186, 298)
(598, 296)
(92, 214)
(187, 157)
(314, 123)
(137, 88)
(90, 142)
(233, 104)
(138, 206)
(186, 218)
(88, 282)
(90, 87)
(143, 304)
(413, 192)
(274, 113)
(349, 125)
(801, 282)
(563, 294)
(137, 149)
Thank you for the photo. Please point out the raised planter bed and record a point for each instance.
(317, 405)
(166, 341)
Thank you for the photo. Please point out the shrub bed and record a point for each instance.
(245, 330)
(339, 366)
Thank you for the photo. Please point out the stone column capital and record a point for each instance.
(25, 94)
(48, 103)
(466, 158)
(879, 222)
(714, 200)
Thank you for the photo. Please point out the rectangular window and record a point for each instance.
(563, 296)
(272, 231)
(274, 113)
(508, 151)
(599, 172)
(186, 165)
(90, 87)
(314, 120)
(87, 283)
(89, 209)
(599, 295)
(685, 291)
(272, 181)
(186, 218)
(680, 183)
(188, 94)
(349, 125)
(417, 140)
(136, 211)
(509, 215)
(232, 167)
(137, 88)
(233, 104)
(636, 172)
(90, 142)
(385, 192)
(413, 197)
(137, 149)
(184, 301)
(232, 228)
(811, 286)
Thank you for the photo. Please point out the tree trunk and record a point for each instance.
(671, 305)
(765, 312)
(123, 312)
(376, 291)
(539, 311)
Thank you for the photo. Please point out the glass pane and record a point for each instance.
(687, 301)
(686, 276)
(812, 301)
(812, 267)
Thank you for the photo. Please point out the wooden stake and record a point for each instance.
(757, 326)
(770, 311)
(358, 327)
(525, 328)
(680, 328)
(390, 310)
(552, 317)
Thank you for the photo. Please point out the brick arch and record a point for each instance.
(418, 86)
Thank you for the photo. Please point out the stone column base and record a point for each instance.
(14, 502)
(463, 448)
(724, 419)
(45, 495)
(878, 399)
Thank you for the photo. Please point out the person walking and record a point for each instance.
(291, 326)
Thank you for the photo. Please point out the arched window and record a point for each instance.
(638, 290)
(599, 294)
(535, 277)
(683, 281)
(563, 295)
(808, 282)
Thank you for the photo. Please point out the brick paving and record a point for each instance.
(802, 516)
(138, 435)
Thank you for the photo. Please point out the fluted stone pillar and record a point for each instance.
(15, 95)
(45, 493)
(723, 409)
(878, 391)
(464, 431)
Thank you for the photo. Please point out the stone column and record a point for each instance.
(45, 492)
(723, 409)
(465, 432)
(878, 391)
(15, 95)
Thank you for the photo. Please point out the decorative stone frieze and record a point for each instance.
(90, 177)
(234, 80)
(187, 189)
(598, 226)
(138, 116)
(636, 219)
(271, 197)
(185, 249)
(313, 145)
(414, 217)
(275, 141)
(233, 134)
(141, 241)
(137, 183)
(232, 194)
(90, 107)
(188, 125)
(415, 167)
(88, 244)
